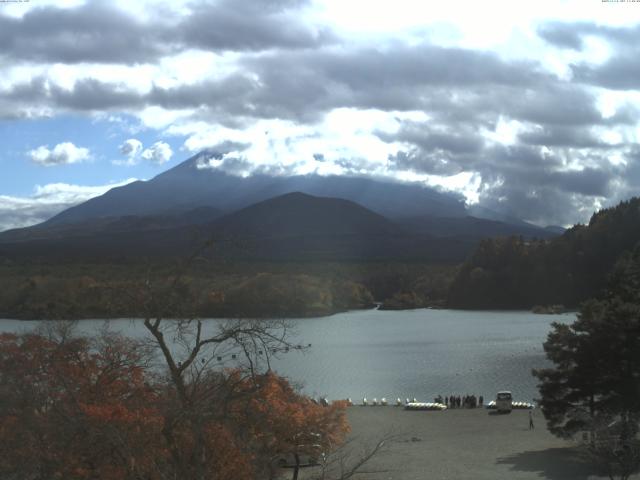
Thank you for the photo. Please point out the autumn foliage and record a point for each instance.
(75, 408)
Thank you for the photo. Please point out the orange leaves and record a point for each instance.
(70, 410)
(80, 409)
(283, 420)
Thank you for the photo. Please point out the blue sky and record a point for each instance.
(527, 108)
(100, 135)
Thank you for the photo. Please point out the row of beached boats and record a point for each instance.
(409, 404)
(514, 405)
(414, 404)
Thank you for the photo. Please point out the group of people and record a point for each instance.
(458, 401)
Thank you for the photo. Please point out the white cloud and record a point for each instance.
(131, 148)
(62, 153)
(46, 201)
(344, 134)
(158, 153)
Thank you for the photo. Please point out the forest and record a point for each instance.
(513, 272)
(218, 288)
(503, 272)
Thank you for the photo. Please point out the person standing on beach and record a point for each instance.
(531, 427)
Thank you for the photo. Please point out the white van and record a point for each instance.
(503, 402)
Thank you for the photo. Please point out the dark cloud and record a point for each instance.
(251, 25)
(233, 166)
(91, 94)
(555, 103)
(417, 160)
(543, 206)
(562, 136)
(469, 88)
(99, 32)
(538, 185)
(546, 196)
(523, 180)
(622, 72)
(223, 148)
(95, 32)
(424, 64)
(456, 141)
(561, 35)
(572, 34)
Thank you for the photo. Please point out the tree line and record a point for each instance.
(517, 273)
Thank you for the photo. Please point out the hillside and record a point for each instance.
(293, 226)
(300, 214)
(515, 273)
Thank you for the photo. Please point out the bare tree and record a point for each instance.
(614, 446)
(352, 458)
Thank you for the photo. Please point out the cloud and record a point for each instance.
(131, 148)
(46, 201)
(305, 84)
(100, 32)
(532, 135)
(94, 32)
(250, 25)
(563, 136)
(550, 175)
(620, 71)
(62, 153)
(572, 34)
(158, 153)
(451, 83)
(561, 35)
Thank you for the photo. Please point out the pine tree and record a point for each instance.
(596, 372)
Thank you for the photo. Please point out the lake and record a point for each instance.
(414, 353)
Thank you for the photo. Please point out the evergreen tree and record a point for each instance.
(596, 372)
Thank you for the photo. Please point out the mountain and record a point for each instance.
(293, 226)
(488, 214)
(130, 224)
(188, 186)
(566, 270)
(473, 227)
(298, 214)
(330, 217)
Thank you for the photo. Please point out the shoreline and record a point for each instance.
(294, 317)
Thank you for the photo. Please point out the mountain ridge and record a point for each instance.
(189, 185)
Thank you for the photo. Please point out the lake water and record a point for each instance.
(415, 353)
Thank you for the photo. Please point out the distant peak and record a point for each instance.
(293, 195)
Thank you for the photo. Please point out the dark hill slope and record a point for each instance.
(299, 214)
(511, 273)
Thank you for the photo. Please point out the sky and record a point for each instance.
(531, 109)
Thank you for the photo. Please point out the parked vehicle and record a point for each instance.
(503, 402)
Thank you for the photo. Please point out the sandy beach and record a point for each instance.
(465, 444)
